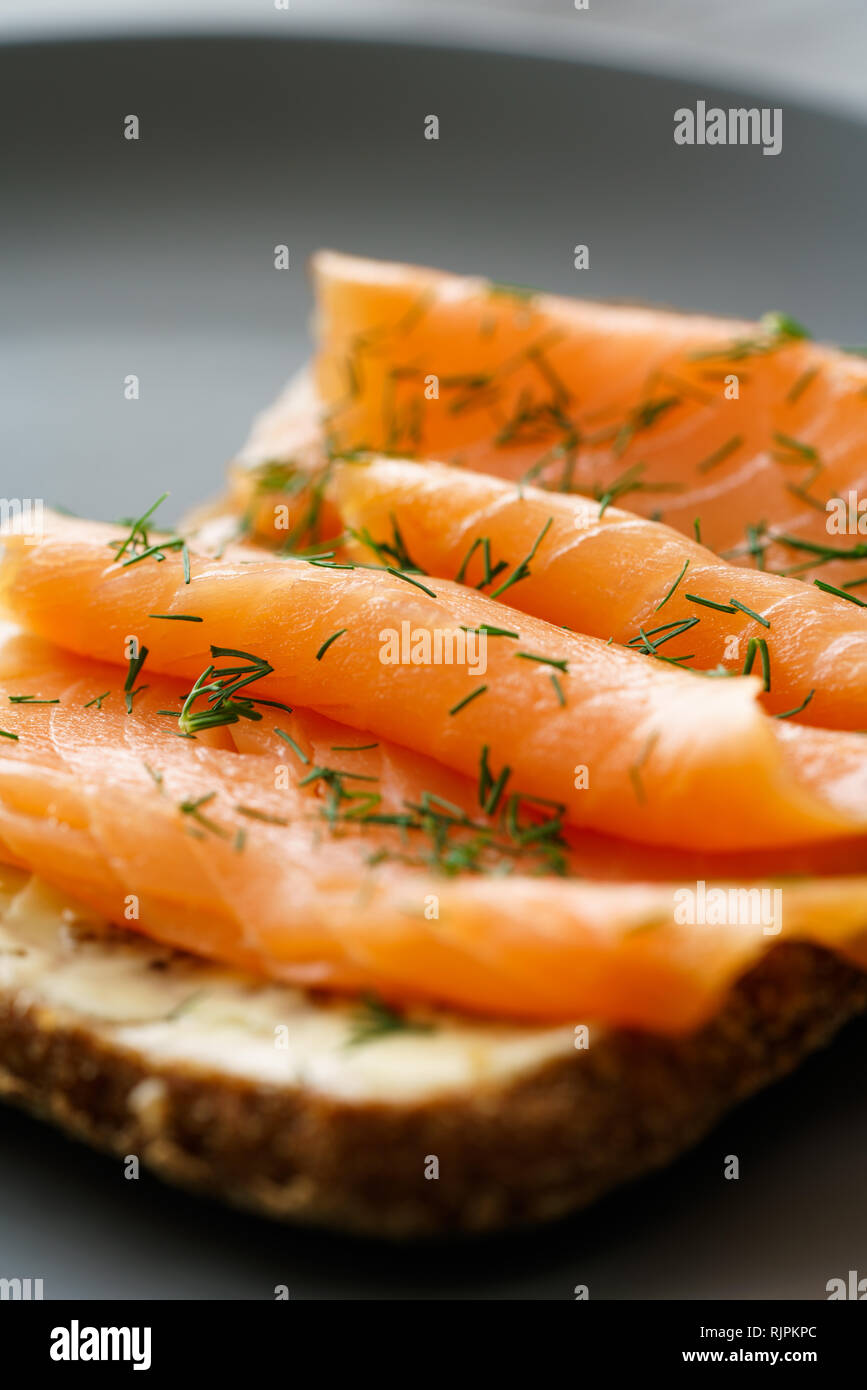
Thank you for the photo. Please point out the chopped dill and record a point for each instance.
(399, 574)
(328, 642)
(129, 688)
(559, 662)
(155, 774)
(775, 331)
(631, 480)
(798, 388)
(220, 685)
(673, 588)
(503, 289)
(522, 569)
(98, 699)
(637, 767)
(839, 593)
(375, 1020)
(798, 708)
(177, 617)
(298, 751)
(795, 446)
(252, 814)
(490, 631)
(192, 809)
(720, 454)
(709, 603)
(760, 645)
(491, 788)
(467, 698)
(750, 612)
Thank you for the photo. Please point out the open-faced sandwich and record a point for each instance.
(419, 840)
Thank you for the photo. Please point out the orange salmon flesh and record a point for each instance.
(520, 672)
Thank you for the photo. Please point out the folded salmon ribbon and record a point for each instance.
(671, 757)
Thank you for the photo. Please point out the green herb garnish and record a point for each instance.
(177, 617)
(709, 603)
(720, 454)
(375, 1020)
(328, 641)
(467, 698)
(750, 612)
(522, 569)
(671, 591)
(797, 710)
(287, 738)
(839, 593)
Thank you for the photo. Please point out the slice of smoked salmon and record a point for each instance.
(631, 747)
(613, 575)
(197, 845)
(745, 429)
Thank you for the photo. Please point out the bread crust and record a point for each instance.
(531, 1149)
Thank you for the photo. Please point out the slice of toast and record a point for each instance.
(304, 1109)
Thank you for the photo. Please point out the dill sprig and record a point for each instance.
(721, 454)
(560, 663)
(776, 330)
(30, 700)
(192, 808)
(490, 631)
(408, 579)
(329, 641)
(558, 689)
(252, 814)
(220, 685)
(522, 569)
(709, 603)
(631, 480)
(296, 749)
(644, 644)
(334, 780)
(138, 532)
(129, 689)
(137, 544)
(839, 593)
(758, 645)
(638, 766)
(672, 590)
(375, 1020)
(798, 708)
(491, 788)
(155, 775)
(642, 417)
(393, 552)
(799, 386)
(750, 612)
(177, 617)
(461, 704)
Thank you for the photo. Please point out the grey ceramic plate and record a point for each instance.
(156, 258)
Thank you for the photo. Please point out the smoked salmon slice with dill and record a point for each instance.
(631, 747)
(613, 574)
(746, 429)
(156, 833)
